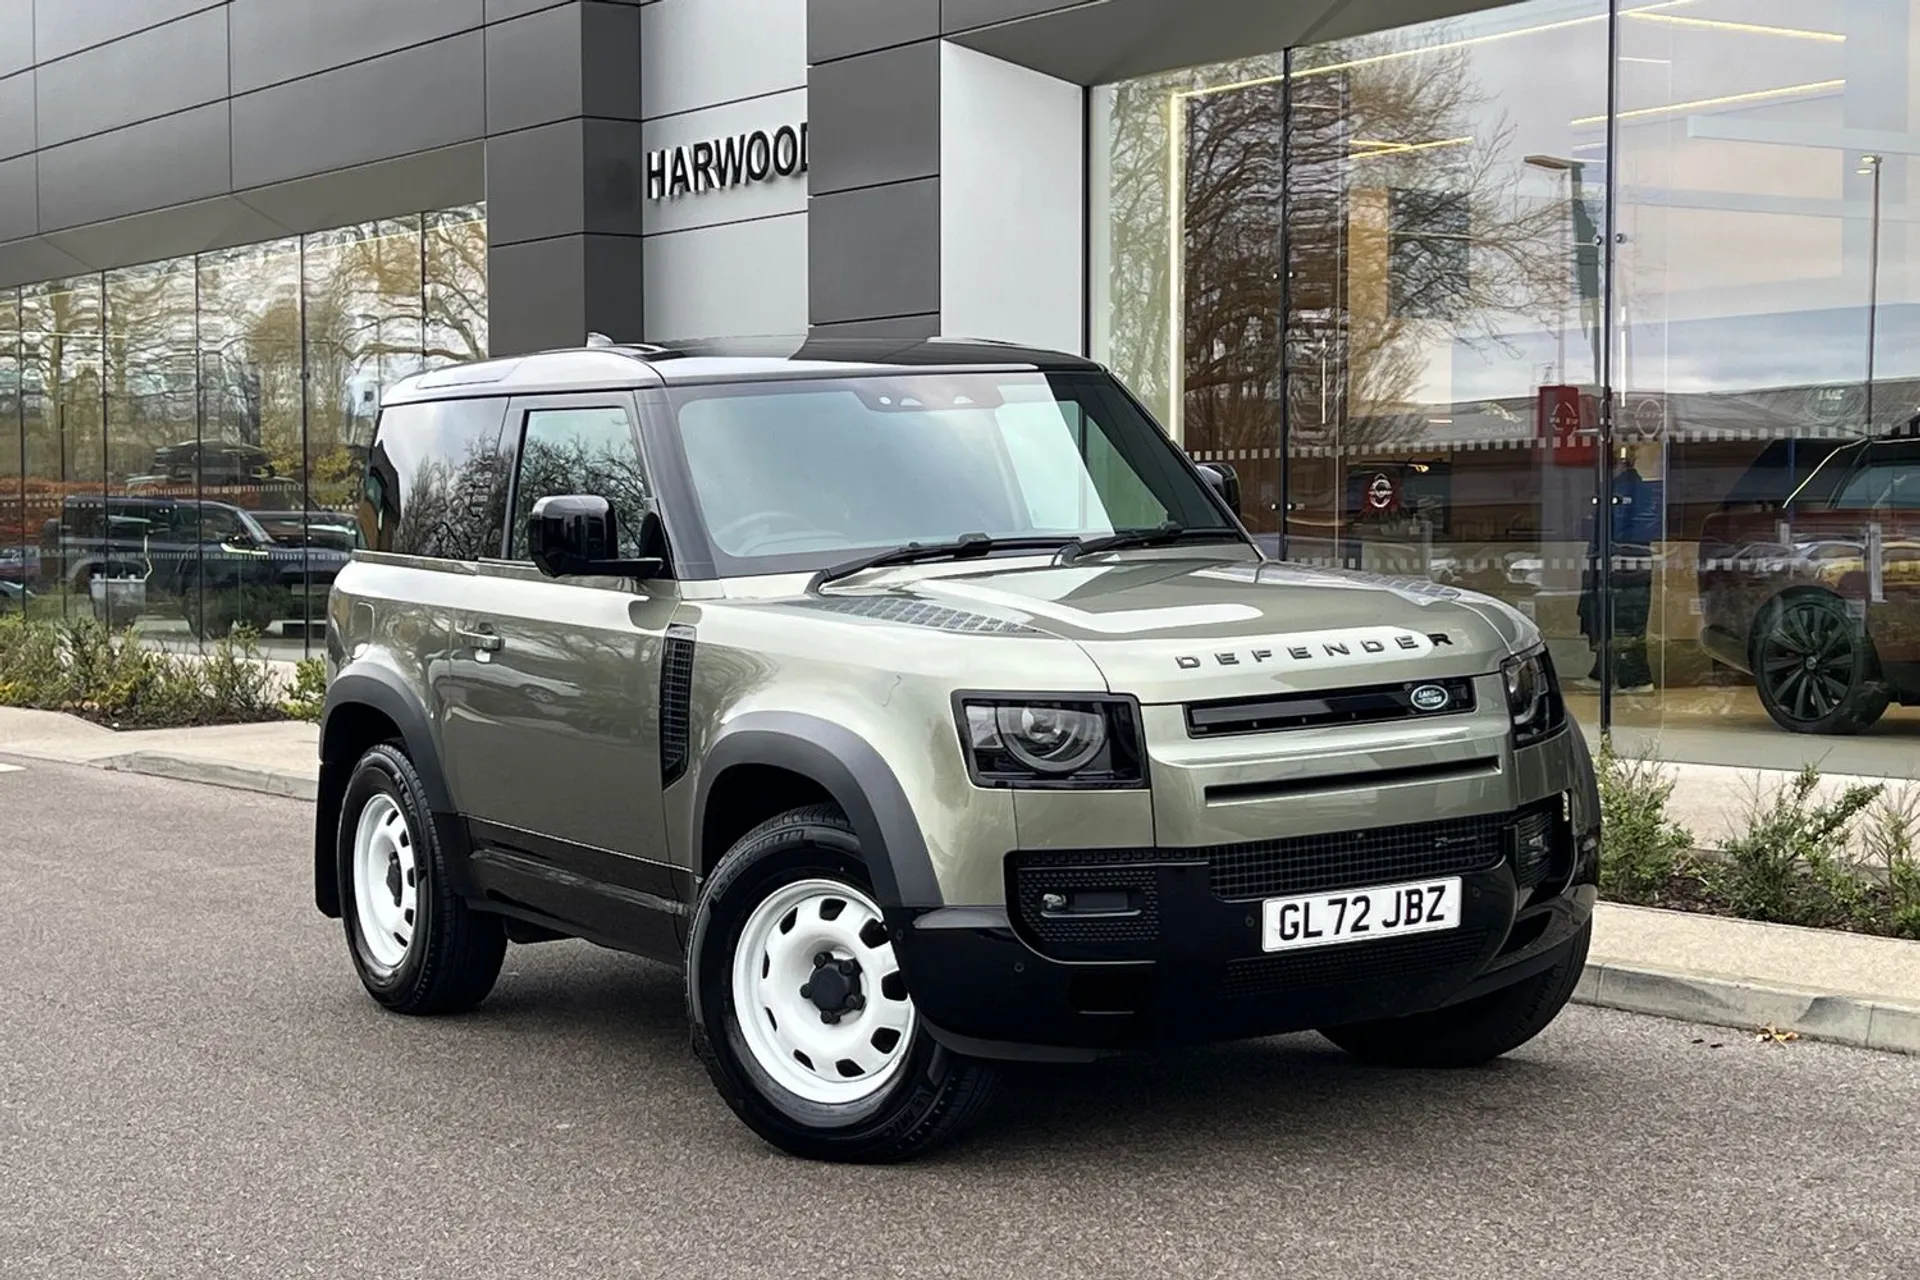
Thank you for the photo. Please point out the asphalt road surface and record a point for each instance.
(193, 1084)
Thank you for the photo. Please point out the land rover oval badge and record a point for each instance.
(1429, 697)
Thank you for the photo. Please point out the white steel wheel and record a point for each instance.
(821, 1002)
(386, 879)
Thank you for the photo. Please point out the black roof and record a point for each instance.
(613, 364)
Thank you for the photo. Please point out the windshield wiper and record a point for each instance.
(968, 546)
(1158, 536)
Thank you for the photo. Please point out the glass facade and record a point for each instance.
(181, 442)
(1443, 294)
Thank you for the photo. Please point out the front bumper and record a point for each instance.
(1185, 964)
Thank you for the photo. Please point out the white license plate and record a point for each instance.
(1355, 915)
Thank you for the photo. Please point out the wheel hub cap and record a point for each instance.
(834, 987)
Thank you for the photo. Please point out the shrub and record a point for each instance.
(1644, 849)
(309, 693)
(83, 668)
(1784, 867)
(1893, 854)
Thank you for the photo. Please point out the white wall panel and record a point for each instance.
(696, 53)
(776, 195)
(1012, 219)
(744, 279)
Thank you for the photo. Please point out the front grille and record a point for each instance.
(1349, 859)
(1351, 962)
(1373, 704)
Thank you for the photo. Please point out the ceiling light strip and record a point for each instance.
(1728, 100)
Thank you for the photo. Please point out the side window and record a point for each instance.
(586, 449)
(436, 480)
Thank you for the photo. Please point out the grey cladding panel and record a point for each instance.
(610, 45)
(19, 215)
(410, 101)
(576, 59)
(167, 161)
(276, 40)
(551, 292)
(559, 179)
(842, 28)
(534, 66)
(535, 185)
(501, 10)
(962, 15)
(904, 329)
(182, 64)
(16, 36)
(874, 254)
(61, 27)
(875, 118)
(16, 115)
(536, 295)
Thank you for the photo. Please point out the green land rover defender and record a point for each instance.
(930, 709)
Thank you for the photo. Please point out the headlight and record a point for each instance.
(1034, 742)
(1533, 696)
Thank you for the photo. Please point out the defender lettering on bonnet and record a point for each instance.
(1322, 648)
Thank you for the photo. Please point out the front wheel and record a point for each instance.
(1815, 667)
(799, 1009)
(1473, 1032)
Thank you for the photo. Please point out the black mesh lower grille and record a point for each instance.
(1534, 842)
(1351, 962)
(1033, 883)
(1374, 856)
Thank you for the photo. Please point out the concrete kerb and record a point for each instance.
(217, 773)
(1728, 1002)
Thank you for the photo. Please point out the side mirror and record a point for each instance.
(1223, 480)
(578, 535)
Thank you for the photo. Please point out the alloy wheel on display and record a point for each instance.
(821, 1002)
(1808, 659)
(385, 882)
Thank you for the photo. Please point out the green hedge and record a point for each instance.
(111, 678)
(1789, 864)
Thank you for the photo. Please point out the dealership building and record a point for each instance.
(1431, 275)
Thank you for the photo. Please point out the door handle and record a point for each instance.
(484, 641)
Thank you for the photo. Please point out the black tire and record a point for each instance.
(455, 952)
(1815, 668)
(1476, 1032)
(934, 1092)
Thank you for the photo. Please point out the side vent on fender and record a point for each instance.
(676, 698)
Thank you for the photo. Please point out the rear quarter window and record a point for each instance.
(436, 480)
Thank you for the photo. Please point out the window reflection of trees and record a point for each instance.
(443, 510)
(1383, 179)
(577, 463)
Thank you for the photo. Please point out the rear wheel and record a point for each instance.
(799, 1009)
(1475, 1031)
(416, 944)
(1815, 667)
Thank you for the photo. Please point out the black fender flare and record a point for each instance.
(374, 687)
(851, 771)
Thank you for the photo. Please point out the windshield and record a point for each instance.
(798, 475)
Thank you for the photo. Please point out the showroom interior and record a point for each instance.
(1385, 259)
